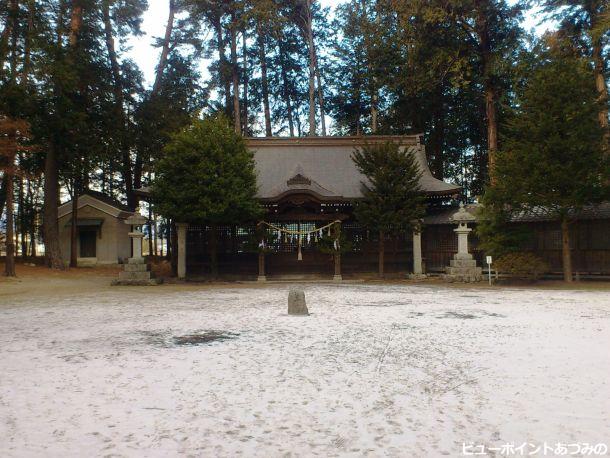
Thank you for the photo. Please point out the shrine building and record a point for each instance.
(308, 187)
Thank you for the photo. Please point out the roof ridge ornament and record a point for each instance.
(299, 179)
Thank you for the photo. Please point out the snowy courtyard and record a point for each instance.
(392, 370)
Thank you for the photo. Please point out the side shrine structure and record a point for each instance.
(308, 187)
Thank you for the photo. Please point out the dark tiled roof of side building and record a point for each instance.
(590, 212)
(106, 199)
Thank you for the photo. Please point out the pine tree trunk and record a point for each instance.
(381, 254)
(155, 236)
(374, 92)
(312, 70)
(9, 265)
(6, 34)
(53, 256)
(14, 17)
(169, 28)
(3, 192)
(565, 250)
(22, 223)
(172, 247)
(320, 94)
(602, 90)
(50, 229)
(33, 240)
(27, 45)
(286, 88)
(235, 75)
(439, 136)
(150, 231)
(119, 107)
(246, 82)
(374, 111)
(492, 130)
(482, 30)
(264, 80)
(31, 219)
(74, 228)
(222, 58)
(76, 22)
(137, 172)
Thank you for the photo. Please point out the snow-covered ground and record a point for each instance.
(376, 370)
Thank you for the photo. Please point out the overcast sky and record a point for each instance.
(154, 24)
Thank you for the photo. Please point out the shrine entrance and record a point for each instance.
(301, 236)
(299, 247)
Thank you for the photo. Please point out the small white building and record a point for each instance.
(102, 233)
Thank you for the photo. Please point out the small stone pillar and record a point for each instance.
(136, 272)
(417, 258)
(296, 302)
(181, 229)
(463, 268)
(418, 268)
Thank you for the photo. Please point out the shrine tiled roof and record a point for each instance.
(324, 166)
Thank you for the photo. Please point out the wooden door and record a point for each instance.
(88, 243)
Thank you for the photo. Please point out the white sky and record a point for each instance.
(146, 56)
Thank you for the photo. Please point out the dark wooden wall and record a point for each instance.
(590, 243)
(238, 252)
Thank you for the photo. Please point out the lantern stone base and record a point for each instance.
(463, 269)
(136, 273)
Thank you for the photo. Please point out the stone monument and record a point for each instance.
(296, 302)
(463, 267)
(136, 272)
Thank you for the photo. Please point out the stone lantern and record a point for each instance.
(136, 221)
(136, 272)
(463, 267)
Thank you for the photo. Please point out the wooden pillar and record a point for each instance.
(261, 254)
(182, 228)
(337, 276)
(261, 267)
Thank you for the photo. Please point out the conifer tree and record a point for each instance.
(587, 22)
(552, 160)
(393, 201)
(206, 176)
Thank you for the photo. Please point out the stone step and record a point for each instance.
(464, 270)
(135, 275)
(463, 263)
(136, 267)
(150, 282)
(467, 278)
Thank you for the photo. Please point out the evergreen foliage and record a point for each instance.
(552, 159)
(393, 200)
(206, 176)
(450, 70)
